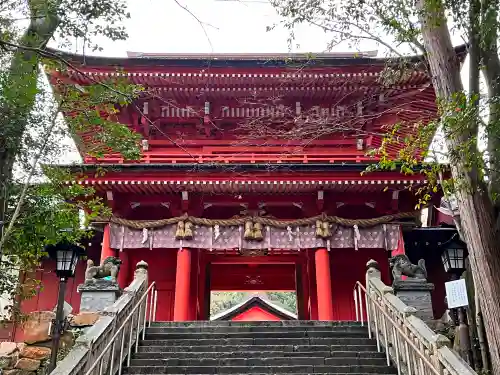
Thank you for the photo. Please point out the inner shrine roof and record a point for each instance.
(256, 301)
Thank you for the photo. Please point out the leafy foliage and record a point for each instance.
(221, 301)
(65, 20)
(468, 126)
(36, 207)
(288, 300)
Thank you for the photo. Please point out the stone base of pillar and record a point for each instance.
(98, 295)
(416, 294)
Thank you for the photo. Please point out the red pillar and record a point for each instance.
(123, 275)
(324, 285)
(182, 285)
(106, 250)
(400, 249)
(401, 245)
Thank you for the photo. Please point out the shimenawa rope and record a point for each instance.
(362, 223)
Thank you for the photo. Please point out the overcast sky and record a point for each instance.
(231, 26)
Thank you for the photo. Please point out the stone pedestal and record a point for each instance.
(98, 295)
(416, 294)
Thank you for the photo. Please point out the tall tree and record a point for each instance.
(33, 211)
(404, 26)
(23, 51)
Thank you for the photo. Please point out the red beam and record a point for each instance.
(137, 179)
(219, 70)
(223, 142)
(279, 199)
(238, 158)
(270, 259)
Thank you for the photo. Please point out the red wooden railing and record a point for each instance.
(251, 157)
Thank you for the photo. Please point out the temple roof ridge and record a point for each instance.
(241, 60)
(252, 56)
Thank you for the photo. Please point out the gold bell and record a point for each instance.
(179, 233)
(188, 230)
(257, 232)
(319, 228)
(248, 235)
(326, 229)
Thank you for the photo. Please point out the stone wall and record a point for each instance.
(31, 357)
(92, 343)
(22, 359)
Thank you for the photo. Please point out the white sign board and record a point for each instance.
(456, 294)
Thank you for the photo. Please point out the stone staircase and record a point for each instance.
(288, 347)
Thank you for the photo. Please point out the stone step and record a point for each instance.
(285, 347)
(261, 341)
(282, 323)
(309, 369)
(263, 361)
(147, 347)
(257, 328)
(151, 335)
(259, 354)
(228, 354)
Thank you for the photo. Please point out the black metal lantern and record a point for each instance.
(453, 257)
(66, 257)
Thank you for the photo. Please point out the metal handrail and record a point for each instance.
(150, 292)
(399, 328)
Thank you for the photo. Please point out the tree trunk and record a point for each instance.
(491, 69)
(476, 209)
(20, 89)
(471, 314)
(483, 345)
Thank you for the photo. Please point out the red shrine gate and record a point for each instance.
(315, 275)
(226, 197)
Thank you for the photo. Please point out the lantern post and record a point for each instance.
(66, 257)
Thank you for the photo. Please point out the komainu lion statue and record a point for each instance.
(401, 266)
(109, 268)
